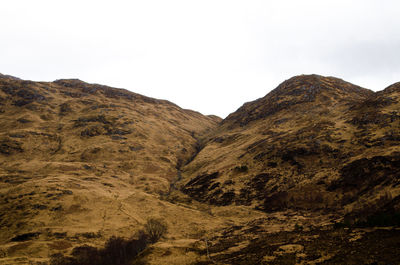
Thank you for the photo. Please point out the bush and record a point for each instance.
(117, 251)
(241, 169)
(120, 251)
(155, 229)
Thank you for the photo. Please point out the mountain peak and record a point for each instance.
(392, 88)
(313, 84)
(303, 91)
(9, 77)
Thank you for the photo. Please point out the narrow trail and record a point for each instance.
(122, 210)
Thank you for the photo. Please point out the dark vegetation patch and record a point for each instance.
(10, 146)
(96, 130)
(203, 189)
(364, 174)
(23, 121)
(25, 237)
(272, 164)
(87, 167)
(39, 207)
(276, 201)
(17, 135)
(260, 157)
(226, 139)
(255, 188)
(245, 196)
(83, 121)
(228, 182)
(60, 245)
(117, 250)
(116, 131)
(215, 185)
(136, 148)
(374, 118)
(198, 187)
(378, 219)
(89, 235)
(163, 158)
(14, 179)
(65, 108)
(24, 94)
(241, 169)
(376, 247)
(92, 131)
(225, 199)
(56, 208)
(90, 179)
(393, 136)
(218, 139)
(14, 249)
(383, 212)
(58, 235)
(258, 144)
(107, 184)
(67, 192)
(73, 94)
(293, 198)
(259, 182)
(289, 155)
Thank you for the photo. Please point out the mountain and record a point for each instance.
(313, 143)
(81, 160)
(294, 177)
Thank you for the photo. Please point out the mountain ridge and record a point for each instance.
(278, 134)
(81, 163)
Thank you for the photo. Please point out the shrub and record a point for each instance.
(117, 251)
(155, 229)
(24, 237)
(298, 227)
(120, 251)
(241, 169)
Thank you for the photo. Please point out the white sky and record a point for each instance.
(209, 56)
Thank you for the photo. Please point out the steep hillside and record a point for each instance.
(314, 143)
(83, 162)
(279, 181)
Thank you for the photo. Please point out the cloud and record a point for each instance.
(210, 56)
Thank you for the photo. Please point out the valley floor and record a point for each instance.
(202, 234)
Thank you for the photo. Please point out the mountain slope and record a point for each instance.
(83, 162)
(313, 143)
(273, 183)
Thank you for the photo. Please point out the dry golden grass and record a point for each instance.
(81, 162)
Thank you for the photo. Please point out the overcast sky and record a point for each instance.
(209, 56)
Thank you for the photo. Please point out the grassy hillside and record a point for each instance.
(308, 174)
